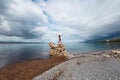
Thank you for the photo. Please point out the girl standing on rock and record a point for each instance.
(59, 39)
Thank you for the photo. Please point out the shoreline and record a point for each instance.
(27, 70)
(21, 62)
(102, 65)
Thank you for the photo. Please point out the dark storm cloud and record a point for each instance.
(19, 18)
(77, 20)
(88, 20)
(105, 31)
(3, 5)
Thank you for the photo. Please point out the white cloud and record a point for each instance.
(5, 26)
(91, 19)
(40, 29)
(27, 10)
(77, 20)
(19, 18)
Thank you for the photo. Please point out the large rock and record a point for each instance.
(57, 50)
(115, 53)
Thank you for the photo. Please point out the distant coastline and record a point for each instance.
(108, 41)
(114, 40)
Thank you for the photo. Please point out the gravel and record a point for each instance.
(88, 67)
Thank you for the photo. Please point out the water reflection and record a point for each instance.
(12, 53)
(90, 47)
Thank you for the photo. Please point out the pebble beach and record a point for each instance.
(102, 65)
(96, 66)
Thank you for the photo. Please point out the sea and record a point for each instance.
(14, 53)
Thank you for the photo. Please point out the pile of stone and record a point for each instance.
(115, 53)
(57, 50)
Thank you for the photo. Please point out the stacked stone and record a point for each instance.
(57, 50)
(61, 50)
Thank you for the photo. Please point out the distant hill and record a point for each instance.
(110, 40)
(107, 39)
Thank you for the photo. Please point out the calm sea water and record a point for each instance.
(12, 53)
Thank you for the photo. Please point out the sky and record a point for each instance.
(43, 20)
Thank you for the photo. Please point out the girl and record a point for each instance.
(59, 39)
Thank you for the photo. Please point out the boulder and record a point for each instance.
(115, 53)
(57, 50)
(52, 45)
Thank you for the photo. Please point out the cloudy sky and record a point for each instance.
(43, 20)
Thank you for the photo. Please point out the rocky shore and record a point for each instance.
(103, 65)
(27, 70)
